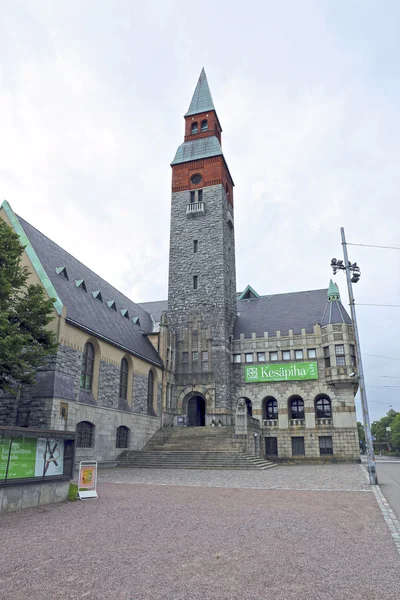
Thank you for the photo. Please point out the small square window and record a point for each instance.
(340, 361)
(312, 353)
(236, 358)
(339, 350)
(185, 357)
(195, 246)
(273, 356)
(298, 354)
(249, 357)
(286, 355)
(195, 356)
(204, 355)
(261, 356)
(195, 282)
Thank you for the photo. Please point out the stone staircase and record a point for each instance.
(192, 448)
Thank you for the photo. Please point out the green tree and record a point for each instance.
(25, 313)
(378, 428)
(395, 433)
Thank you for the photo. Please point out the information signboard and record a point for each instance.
(23, 457)
(87, 480)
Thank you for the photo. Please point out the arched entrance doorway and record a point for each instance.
(196, 411)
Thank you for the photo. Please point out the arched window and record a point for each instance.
(323, 407)
(150, 394)
(122, 437)
(270, 408)
(87, 366)
(249, 407)
(195, 128)
(85, 435)
(204, 125)
(296, 407)
(123, 379)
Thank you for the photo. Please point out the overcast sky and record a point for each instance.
(92, 97)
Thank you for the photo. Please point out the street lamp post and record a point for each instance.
(349, 268)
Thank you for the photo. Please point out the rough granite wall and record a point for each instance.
(214, 265)
(139, 403)
(108, 385)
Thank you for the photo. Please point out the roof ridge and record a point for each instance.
(22, 220)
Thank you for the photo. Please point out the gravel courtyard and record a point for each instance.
(179, 535)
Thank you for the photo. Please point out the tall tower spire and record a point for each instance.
(202, 100)
(202, 279)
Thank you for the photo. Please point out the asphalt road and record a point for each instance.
(389, 480)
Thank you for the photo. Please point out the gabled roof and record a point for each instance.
(281, 312)
(84, 310)
(247, 293)
(202, 100)
(195, 149)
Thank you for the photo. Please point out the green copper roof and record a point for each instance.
(333, 291)
(37, 265)
(201, 148)
(247, 294)
(202, 100)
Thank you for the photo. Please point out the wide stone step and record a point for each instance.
(192, 460)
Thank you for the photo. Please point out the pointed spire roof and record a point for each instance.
(333, 291)
(202, 100)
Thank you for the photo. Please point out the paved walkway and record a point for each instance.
(198, 535)
(307, 477)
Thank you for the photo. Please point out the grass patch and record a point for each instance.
(72, 492)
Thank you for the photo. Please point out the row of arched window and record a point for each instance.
(203, 126)
(323, 407)
(85, 435)
(87, 373)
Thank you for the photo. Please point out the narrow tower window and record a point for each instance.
(204, 125)
(200, 196)
(195, 128)
(192, 196)
(195, 246)
(195, 282)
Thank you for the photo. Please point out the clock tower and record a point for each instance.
(202, 280)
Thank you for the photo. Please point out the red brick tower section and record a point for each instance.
(213, 170)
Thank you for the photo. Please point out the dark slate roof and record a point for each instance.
(85, 310)
(202, 100)
(195, 149)
(335, 313)
(282, 312)
(154, 309)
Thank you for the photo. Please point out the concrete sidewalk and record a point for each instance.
(177, 542)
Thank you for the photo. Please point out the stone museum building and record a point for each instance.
(271, 375)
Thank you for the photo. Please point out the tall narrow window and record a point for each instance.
(195, 128)
(204, 125)
(195, 246)
(296, 407)
(192, 196)
(87, 366)
(150, 394)
(327, 358)
(340, 356)
(123, 379)
(195, 282)
(200, 196)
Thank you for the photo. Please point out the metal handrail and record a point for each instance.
(170, 424)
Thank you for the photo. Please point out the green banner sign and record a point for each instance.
(298, 371)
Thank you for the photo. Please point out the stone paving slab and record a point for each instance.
(302, 477)
(159, 542)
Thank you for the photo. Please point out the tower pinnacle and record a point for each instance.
(202, 100)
